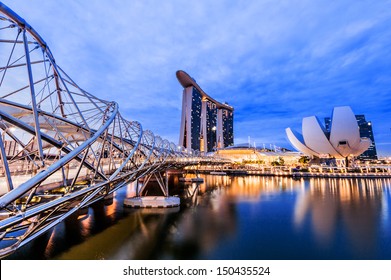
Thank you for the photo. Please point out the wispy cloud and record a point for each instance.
(274, 61)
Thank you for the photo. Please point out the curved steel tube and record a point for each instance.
(88, 149)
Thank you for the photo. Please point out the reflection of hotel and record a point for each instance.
(206, 124)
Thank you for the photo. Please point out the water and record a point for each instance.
(234, 218)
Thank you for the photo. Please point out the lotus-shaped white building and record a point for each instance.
(343, 140)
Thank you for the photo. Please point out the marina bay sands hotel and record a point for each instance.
(206, 124)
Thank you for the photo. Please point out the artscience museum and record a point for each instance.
(341, 141)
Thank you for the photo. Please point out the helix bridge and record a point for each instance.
(61, 147)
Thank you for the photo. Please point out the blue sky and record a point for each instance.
(274, 61)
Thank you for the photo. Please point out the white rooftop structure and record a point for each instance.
(343, 141)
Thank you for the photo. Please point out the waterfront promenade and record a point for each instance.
(365, 171)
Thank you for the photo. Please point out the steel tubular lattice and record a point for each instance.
(61, 148)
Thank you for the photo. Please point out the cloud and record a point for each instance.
(274, 61)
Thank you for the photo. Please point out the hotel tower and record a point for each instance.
(206, 124)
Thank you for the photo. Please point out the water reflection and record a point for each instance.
(203, 223)
(215, 218)
(251, 217)
(343, 207)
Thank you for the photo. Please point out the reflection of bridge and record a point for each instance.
(61, 147)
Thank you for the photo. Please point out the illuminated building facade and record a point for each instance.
(240, 154)
(211, 125)
(366, 131)
(206, 124)
(228, 127)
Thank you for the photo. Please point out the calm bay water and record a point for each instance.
(226, 217)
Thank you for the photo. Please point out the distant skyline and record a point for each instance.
(275, 62)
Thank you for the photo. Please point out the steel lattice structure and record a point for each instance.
(61, 148)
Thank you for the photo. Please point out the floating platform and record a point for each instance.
(218, 173)
(152, 202)
(198, 180)
(158, 211)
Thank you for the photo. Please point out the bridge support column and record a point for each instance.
(163, 201)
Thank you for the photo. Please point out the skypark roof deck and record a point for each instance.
(186, 81)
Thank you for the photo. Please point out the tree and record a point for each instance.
(278, 162)
(304, 159)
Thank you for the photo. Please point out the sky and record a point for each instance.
(275, 62)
